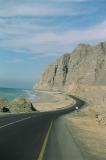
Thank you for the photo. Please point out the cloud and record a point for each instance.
(55, 42)
(15, 61)
(35, 57)
(71, 0)
(28, 28)
(38, 10)
(10, 27)
(93, 33)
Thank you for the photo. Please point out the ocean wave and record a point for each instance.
(31, 95)
(13, 93)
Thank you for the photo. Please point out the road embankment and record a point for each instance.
(77, 136)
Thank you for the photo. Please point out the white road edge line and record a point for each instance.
(9, 124)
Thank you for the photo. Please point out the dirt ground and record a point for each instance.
(52, 101)
(89, 133)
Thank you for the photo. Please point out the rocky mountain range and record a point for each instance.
(86, 65)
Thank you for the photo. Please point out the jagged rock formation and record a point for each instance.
(20, 104)
(86, 65)
(3, 104)
(17, 105)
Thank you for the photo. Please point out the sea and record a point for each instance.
(12, 93)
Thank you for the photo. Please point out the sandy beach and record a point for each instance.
(52, 100)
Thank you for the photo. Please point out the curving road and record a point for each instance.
(22, 136)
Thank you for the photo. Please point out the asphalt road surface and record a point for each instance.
(61, 144)
(22, 136)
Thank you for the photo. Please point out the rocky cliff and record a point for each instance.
(86, 65)
(16, 105)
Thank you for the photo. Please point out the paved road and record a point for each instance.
(22, 136)
(61, 144)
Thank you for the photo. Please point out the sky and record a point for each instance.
(34, 33)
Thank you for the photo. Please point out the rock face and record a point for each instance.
(17, 105)
(86, 65)
(20, 105)
(3, 104)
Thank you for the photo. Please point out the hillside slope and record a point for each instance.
(86, 65)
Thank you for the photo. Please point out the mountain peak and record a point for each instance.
(86, 66)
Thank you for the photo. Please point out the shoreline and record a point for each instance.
(45, 101)
(52, 101)
(82, 124)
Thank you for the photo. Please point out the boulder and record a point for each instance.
(5, 109)
(20, 104)
(3, 103)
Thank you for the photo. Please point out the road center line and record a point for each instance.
(41, 155)
(9, 124)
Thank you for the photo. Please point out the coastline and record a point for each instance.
(52, 101)
(86, 131)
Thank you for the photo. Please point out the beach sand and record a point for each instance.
(52, 101)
